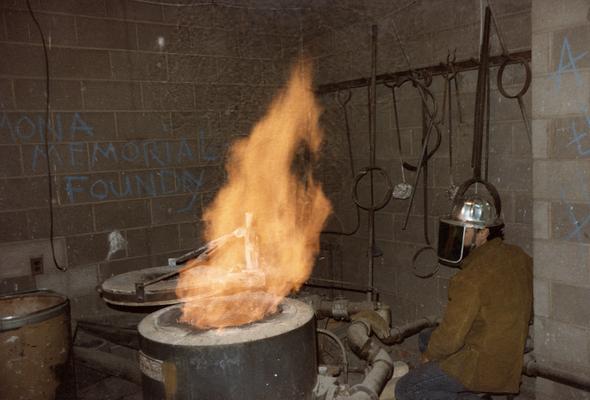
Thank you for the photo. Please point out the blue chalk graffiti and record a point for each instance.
(566, 51)
(73, 130)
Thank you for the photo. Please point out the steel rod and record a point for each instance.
(470, 64)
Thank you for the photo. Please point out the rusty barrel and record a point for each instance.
(34, 344)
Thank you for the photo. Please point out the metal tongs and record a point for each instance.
(197, 256)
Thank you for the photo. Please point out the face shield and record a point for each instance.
(451, 242)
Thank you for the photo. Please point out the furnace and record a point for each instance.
(274, 358)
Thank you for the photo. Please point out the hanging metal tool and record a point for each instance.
(480, 98)
(513, 60)
(372, 251)
(402, 190)
(427, 248)
(519, 95)
(343, 98)
(448, 111)
(432, 126)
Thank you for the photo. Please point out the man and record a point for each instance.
(478, 347)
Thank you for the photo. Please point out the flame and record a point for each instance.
(265, 223)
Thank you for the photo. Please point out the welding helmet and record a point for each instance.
(470, 211)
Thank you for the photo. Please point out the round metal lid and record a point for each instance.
(121, 289)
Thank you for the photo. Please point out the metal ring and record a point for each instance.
(527, 81)
(415, 258)
(386, 197)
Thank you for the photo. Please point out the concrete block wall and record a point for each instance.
(561, 97)
(145, 98)
(429, 29)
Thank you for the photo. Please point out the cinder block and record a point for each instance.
(561, 343)
(541, 220)
(551, 264)
(17, 284)
(79, 63)
(121, 214)
(13, 226)
(64, 158)
(21, 193)
(542, 297)
(384, 226)
(21, 28)
(577, 38)
(567, 139)
(7, 99)
(503, 177)
(138, 66)
(541, 132)
(554, 179)
(89, 249)
(143, 125)
(523, 208)
(164, 96)
(548, 15)
(191, 235)
(117, 267)
(552, 101)
(75, 7)
(10, 161)
(132, 10)
(17, 60)
(239, 71)
(569, 304)
(156, 37)
(569, 221)
(67, 221)
(189, 68)
(111, 95)
(73, 283)
(263, 46)
(103, 33)
(102, 126)
(87, 188)
(15, 257)
(30, 95)
(541, 52)
(154, 240)
(175, 209)
(520, 235)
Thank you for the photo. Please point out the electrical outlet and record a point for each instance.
(36, 265)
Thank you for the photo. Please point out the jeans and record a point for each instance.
(429, 382)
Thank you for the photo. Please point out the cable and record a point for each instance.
(46, 140)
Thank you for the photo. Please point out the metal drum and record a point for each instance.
(274, 358)
(34, 344)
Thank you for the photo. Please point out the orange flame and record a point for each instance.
(266, 220)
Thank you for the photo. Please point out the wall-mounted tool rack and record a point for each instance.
(434, 70)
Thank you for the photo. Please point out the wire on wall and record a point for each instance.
(46, 140)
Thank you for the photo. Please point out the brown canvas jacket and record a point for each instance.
(481, 338)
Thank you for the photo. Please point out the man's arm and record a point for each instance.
(449, 336)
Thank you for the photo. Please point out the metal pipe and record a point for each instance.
(380, 361)
(372, 134)
(532, 368)
(470, 64)
(399, 333)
